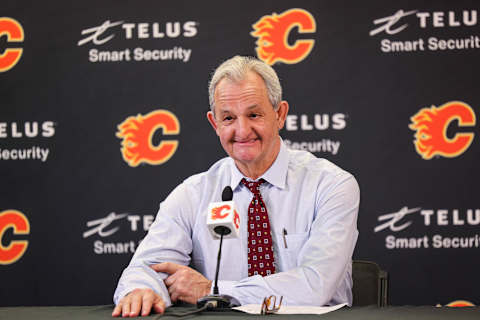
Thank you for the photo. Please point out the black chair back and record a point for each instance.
(370, 284)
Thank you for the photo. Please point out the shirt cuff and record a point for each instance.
(141, 277)
(227, 288)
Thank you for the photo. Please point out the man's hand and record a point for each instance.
(139, 300)
(184, 283)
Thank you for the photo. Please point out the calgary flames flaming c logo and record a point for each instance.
(217, 212)
(431, 125)
(21, 226)
(460, 303)
(137, 133)
(236, 219)
(14, 32)
(273, 31)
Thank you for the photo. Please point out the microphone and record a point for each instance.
(227, 194)
(223, 221)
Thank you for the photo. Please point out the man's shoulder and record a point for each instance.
(219, 170)
(312, 173)
(305, 161)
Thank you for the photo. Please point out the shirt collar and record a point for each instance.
(276, 174)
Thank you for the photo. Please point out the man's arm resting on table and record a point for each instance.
(139, 284)
(183, 283)
(167, 240)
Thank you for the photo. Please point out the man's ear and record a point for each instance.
(211, 119)
(282, 112)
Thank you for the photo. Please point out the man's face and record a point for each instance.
(246, 122)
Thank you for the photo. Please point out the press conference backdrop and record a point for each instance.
(103, 109)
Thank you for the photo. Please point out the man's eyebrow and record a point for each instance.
(227, 109)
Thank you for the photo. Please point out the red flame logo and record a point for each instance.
(217, 212)
(137, 133)
(16, 248)
(14, 32)
(431, 126)
(273, 31)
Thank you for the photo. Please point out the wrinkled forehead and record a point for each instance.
(251, 81)
(250, 90)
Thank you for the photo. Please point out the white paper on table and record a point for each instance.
(256, 309)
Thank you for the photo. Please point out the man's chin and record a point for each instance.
(244, 158)
(245, 154)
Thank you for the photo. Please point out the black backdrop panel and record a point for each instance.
(72, 210)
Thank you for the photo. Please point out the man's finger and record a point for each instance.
(170, 279)
(126, 308)
(135, 305)
(167, 267)
(147, 302)
(171, 290)
(174, 296)
(117, 310)
(159, 306)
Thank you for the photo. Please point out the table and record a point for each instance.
(355, 313)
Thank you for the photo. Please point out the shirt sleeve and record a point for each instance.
(323, 272)
(168, 240)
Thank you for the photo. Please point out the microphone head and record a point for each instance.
(227, 194)
(222, 218)
(222, 230)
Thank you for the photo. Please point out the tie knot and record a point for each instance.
(253, 186)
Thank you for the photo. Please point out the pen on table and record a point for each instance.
(285, 239)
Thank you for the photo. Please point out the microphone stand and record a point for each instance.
(215, 287)
(216, 300)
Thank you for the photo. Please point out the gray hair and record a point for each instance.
(236, 69)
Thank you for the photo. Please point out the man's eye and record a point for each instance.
(253, 115)
(227, 118)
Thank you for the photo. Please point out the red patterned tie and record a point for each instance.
(260, 249)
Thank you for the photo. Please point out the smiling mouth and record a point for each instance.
(246, 142)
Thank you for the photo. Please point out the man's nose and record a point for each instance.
(243, 127)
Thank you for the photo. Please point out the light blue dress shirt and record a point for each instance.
(315, 201)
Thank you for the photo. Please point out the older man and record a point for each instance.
(298, 212)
